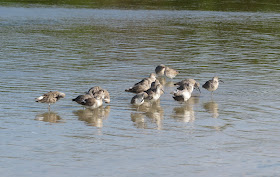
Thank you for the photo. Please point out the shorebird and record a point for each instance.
(143, 85)
(189, 81)
(154, 85)
(154, 94)
(95, 90)
(80, 99)
(212, 85)
(183, 93)
(160, 70)
(170, 73)
(50, 97)
(138, 99)
(95, 101)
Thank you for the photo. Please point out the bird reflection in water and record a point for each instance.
(149, 113)
(162, 80)
(213, 108)
(139, 120)
(165, 83)
(169, 84)
(51, 117)
(93, 117)
(185, 112)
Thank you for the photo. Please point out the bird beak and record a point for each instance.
(221, 81)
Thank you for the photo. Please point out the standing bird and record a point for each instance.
(212, 85)
(138, 99)
(154, 85)
(154, 94)
(106, 93)
(170, 73)
(183, 93)
(50, 97)
(143, 85)
(160, 70)
(94, 89)
(189, 81)
(80, 99)
(95, 101)
(92, 97)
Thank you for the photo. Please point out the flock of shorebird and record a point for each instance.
(148, 89)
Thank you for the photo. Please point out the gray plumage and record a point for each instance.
(92, 97)
(81, 98)
(188, 81)
(143, 85)
(106, 93)
(154, 94)
(183, 93)
(160, 70)
(212, 85)
(94, 102)
(170, 73)
(138, 99)
(155, 91)
(50, 97)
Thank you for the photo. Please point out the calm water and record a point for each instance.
(234, 133)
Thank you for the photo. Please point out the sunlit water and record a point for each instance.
(234, 133)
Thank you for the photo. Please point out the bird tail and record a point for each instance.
(129, 90)
(39, 98)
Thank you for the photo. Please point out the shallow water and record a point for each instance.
(234, 133)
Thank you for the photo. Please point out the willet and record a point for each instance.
(155, 91)
(183, 93)
(160, 70)
(95, 101)
(106, 93)
(94, 89)
(81, 98)
(154, 94)
(212, 85)
(143, 85)
(170, 73)
(50, 97)
(189, 81)
(93, 92)
(138, 99)
(154, 85)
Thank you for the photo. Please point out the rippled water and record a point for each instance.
(234, 133)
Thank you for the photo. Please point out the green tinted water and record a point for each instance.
(235, 133)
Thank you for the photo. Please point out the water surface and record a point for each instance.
(234, 133)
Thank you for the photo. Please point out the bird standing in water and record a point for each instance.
(50, 97)
(212, 85)
(93, 98)
(143, 85)
(155, 91)
(170, 73)
(138, 99)
(183, 93)
(95, 101)
(189, 81)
